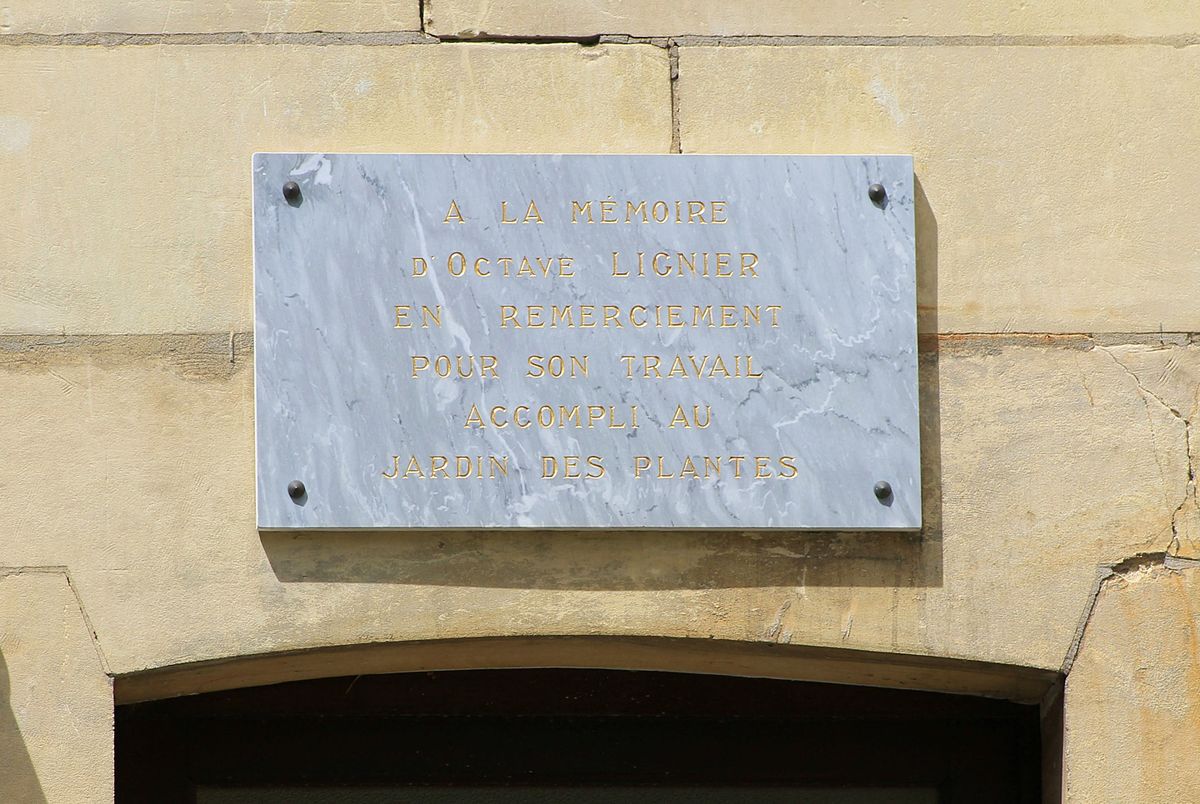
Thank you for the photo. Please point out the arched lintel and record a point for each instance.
(683, 655)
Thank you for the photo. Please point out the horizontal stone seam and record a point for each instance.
(1141, 336)
(909, 40)
(953, 341)
(33, 569)
(226, 344)
(58, 569)
(113, 39)
(116, 38)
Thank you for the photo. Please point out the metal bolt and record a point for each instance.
(883, 490)
(291, 192)
(296, 489)
(877, 194)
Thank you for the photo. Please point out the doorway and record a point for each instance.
(575, 736)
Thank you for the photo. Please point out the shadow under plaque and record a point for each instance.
(633, 560)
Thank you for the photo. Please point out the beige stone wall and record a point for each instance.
(1059, 250)
(56, 724)
(1133, 695)
(897, 18)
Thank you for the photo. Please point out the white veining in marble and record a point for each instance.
(336, 401)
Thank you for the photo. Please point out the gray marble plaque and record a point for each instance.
(464, 341)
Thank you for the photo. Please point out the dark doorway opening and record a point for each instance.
(585, 736)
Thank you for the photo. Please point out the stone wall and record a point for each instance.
(1058, 267)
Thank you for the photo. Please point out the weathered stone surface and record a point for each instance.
(56, 705)
(1052, 177)
(139, 221)
(202, 16)
(1168, 374)
(1038, 444)
(1051, 463)
(1133, 696)
(786, 17)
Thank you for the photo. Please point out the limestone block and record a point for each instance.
(1168, 374)
(788, 17)
(1132, 709)
(204, 16)
(1042, 460)
(1040, 441)
(56, 704)
(127, 169)
(1052, 178)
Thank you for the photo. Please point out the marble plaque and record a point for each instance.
(503, 341)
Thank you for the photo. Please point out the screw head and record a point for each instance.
(877, 194)
(291, 192)
(296, 489)
(883, 490)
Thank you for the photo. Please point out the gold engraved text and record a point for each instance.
(429, 315)
(448, 467)
(640, 316)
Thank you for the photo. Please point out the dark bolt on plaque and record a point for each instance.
(291, 192)
(296, 489)
(875, 192)
(883, 490)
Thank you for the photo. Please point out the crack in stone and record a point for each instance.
(1126, 568)
(1104, 573)
(61, 570)
(1140, 562)
(1189, 492)
(673, 60)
